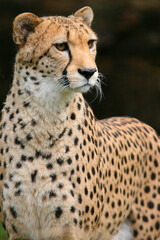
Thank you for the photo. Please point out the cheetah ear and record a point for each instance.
(86, 14)
(23, 25)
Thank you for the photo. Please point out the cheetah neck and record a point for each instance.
(32, 113)
(43, 97)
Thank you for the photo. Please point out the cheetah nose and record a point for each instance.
(87, 72)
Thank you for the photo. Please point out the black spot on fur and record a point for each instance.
(33, 176)
(58, 212)
(13, 212)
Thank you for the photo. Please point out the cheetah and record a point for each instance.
(64, 174)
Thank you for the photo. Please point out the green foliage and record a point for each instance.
(3, 235)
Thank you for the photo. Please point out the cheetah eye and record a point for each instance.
(91, 43)
(61, 46)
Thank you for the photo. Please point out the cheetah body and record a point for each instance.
(63, 173)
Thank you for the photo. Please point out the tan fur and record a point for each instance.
(63, 173)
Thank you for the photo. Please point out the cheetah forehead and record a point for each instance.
(58, 28)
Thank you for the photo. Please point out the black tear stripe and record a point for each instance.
(64, 81)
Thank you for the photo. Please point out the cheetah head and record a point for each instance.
(56, 54)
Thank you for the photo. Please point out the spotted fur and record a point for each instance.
(63, 173)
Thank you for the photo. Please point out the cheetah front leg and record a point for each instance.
(124, 233)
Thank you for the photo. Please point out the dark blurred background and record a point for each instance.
(128, 52)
